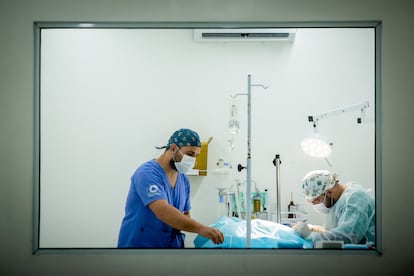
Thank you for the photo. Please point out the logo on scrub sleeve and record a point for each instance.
(153, 190)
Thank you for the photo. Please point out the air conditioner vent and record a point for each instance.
(244, 35)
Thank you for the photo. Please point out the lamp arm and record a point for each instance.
(317, 117)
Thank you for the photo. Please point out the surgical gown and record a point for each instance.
(351, 219)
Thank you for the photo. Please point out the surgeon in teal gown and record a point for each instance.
(349, 210)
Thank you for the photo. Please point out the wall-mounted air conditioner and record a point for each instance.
(237, 35)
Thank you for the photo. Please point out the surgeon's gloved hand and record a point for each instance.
(302, 229)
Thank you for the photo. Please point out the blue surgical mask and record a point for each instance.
(186, 164)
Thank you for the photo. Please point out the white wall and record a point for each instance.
(17, 146)
(109, 96)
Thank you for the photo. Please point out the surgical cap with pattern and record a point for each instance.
(315, 183)
(184, 137)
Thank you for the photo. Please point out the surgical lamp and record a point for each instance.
(316, 145)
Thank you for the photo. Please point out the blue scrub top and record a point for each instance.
(140, 227)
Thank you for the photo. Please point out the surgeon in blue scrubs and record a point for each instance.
(158, 204)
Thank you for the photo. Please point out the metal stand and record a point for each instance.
(277, 163)
(248, 161)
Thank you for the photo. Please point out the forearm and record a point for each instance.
(316, 228)
(181, 221)
(174, 218)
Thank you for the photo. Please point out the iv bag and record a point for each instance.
(234, 126)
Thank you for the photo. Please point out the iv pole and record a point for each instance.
(248, 161)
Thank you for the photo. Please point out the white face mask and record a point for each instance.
(186, 164)
(321, 208)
